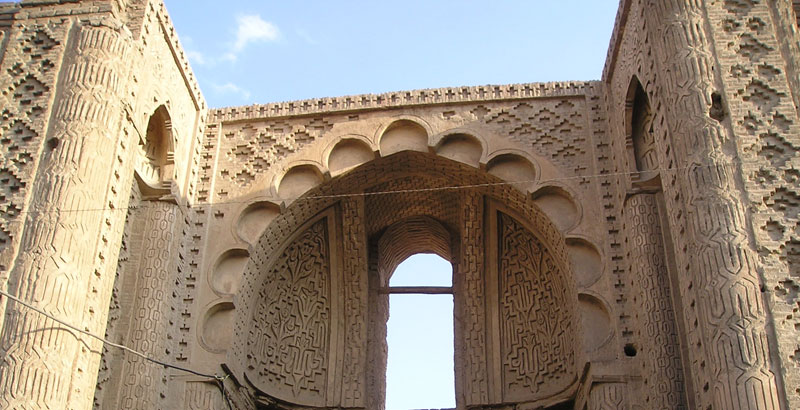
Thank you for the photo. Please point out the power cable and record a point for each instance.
(399, 191)
(219, 380)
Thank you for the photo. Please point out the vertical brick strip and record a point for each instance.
(142, 381)
(657, 331)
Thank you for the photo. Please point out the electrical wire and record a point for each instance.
(399, 191)
(219, 380)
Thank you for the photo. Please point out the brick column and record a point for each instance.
(722, 263)
(61, 267)
(759, 62)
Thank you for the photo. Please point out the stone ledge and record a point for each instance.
(431, 96)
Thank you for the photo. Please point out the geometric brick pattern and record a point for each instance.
(662, 223)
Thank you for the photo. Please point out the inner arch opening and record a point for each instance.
(420, 366)
(383, 230)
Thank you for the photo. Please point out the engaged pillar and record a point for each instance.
(655, 318)
(72, 231)
(144, 383)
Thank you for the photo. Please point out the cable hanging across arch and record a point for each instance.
(399, 191)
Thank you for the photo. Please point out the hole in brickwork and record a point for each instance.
(717, 110)
(630, 350)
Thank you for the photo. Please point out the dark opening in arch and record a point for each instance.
(640, 136)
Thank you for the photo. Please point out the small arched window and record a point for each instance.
(155, 162)
(640, 137)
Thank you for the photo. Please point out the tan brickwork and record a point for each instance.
(624, 243)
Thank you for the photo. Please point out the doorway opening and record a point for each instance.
(420, 368)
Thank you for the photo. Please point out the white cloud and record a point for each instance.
(229, 56)
(231, 88)
(253, 29)
(196, 57)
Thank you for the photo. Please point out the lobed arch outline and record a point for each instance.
(317, 155)
(589, 295)
(335, 142)
(297, 165)
(323, 201)
(558, 188)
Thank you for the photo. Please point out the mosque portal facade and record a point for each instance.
(627, 243)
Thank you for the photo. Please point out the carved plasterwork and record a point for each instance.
(441, 214)
(532, 293)
(285, 220)
(292, 326)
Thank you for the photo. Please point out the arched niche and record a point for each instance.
(155, 160)
(596, 323)
(312, 288)
(348, 153)
(216, 331)
(586, 261)
(254, 219)
(559, 205)
(297, 180)
(461, 147)
(226, 272)
(403, 135)
(640, 139)
(514, 168)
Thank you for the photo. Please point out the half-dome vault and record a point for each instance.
(311, 321)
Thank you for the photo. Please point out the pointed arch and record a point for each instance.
(155, 164)
(640, 140)
(312, 287)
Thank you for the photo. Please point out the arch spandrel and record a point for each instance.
(534, 295)
(267, 360)
(295, 316)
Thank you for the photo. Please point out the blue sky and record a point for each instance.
(419, 335)
(246, 52)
